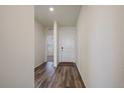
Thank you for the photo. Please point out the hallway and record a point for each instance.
(66, 75)
(56, 37)
(92, 37)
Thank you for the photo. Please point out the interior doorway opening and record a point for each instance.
(50, 45)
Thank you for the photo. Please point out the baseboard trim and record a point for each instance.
(65, 63)
(38, 67)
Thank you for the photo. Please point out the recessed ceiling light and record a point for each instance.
(51, 9)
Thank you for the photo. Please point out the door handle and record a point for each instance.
(62, 48)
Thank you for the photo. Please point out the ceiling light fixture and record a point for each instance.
(51, 9)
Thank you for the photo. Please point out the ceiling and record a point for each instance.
(65, 15)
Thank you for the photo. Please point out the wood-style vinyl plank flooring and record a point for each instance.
(66, 75)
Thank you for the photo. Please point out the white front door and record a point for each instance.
(67, 46)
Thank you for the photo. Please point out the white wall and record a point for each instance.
(16, 46)
(100, 45)
(67, 39)
(39, 43)
(82, 46)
